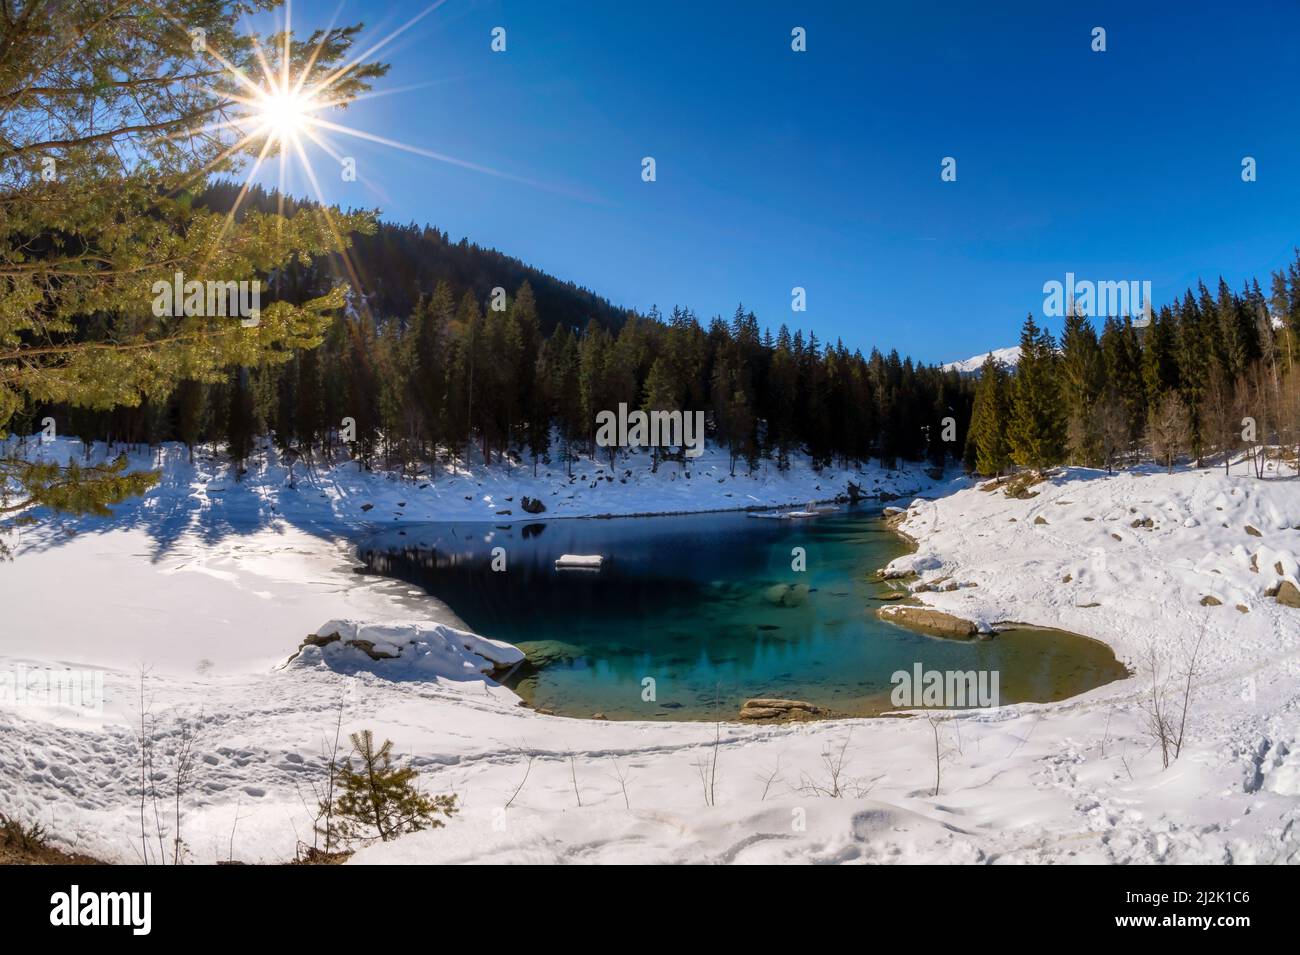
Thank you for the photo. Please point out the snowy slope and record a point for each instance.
(968, 366)
(182, 583)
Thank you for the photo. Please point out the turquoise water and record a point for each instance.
(709, 608)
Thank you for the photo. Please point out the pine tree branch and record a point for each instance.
(111, 134)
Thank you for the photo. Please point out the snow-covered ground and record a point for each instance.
(212, 585)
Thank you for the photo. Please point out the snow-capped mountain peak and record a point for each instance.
(968, 366)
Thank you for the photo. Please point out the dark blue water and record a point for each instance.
(710, 608)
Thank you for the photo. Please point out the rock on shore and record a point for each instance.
(928, 620)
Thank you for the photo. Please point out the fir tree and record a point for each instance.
(1082, 370)
(986, 439)
(1037, 429)
(1160, 357)
(1122, 360)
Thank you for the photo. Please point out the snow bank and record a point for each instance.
(329, 496)
(1121, 557)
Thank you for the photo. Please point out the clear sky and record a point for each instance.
(821, 169)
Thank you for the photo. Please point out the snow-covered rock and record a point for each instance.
(407, 650)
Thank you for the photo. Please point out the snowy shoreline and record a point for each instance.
(1069, 781)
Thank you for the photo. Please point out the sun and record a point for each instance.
(281, 111)
(284, 112)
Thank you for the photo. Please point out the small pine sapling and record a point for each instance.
(378, 799)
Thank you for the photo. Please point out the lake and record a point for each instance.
(710, 609)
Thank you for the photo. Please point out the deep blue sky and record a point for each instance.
(821, 169)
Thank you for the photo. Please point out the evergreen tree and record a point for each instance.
(377, 799)
(987, 446)
(191, 412)
(1122, 360)
(1195, 365)
(784, 390)
(1159, 357)
(471, 376)
(659, 396)
(431, 323)
(240, 420)
(309, 409)
(361, 388)
(562, 361)
(1037, 429)
(593, 353)
(536, 408)
(1082, 371)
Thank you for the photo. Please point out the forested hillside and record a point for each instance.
(463, 372)
(427, 365)
(399, 263)
(1212, 374)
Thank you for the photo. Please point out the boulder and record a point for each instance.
(532, 505)
(1253, 531)
(762, 708)
(929, 620)
(1210, 601)
(412, 650)
(1287, 594)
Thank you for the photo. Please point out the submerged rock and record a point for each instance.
(544, 653)
(787, 595)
